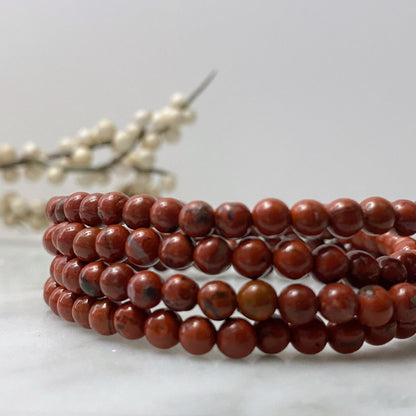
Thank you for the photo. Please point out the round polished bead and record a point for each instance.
(81, 309)
(47, 240)
(88, 210)
(71, 275)
(217, 300)
(345, 217)
(273, 335)
(162, 328)
(65, 238)
(71, 206)
(392, 271)
(378, 214)
(298, 304)
(213, 255)
(196, 219)
(101, 317)
(309, 217)
(55, 233)
(64, 305)
(180, 293)
(59, 210)
(408, 259)
(114, 279)
(236, 338)
(293, 259)
(376, 306)
(129, 321)
(271, 216)
(57, 267)
(363, 269)
(252, 258)
(49, 286)
(331, 263)
(53, 299)
(50, 209)
(403, 243)
(89, 278)
(381, 335)
(405, 330)
(257, 300)
(404, 299)
(110, 242)
(232, 219)
(197, 335)
(338, 303)
(405, 212)
(84, 244)
(110, 207)
(309, 338)
(347, 337)
(176, 251)
(142, 247)
(136, 211)
(145, 289)
(164, 214)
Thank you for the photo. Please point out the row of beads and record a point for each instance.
(236, 337)
(343, 217)
(256, 300)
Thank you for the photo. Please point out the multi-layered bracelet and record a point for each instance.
(110, 251)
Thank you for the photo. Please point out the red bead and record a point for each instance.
(293, 259)
(363, 269)
(136, 211)
(180, 293)
(331, 263)
(347, 337)
(252, 258)
(110, 242)
(58, 265)
(392, 271)
(89, 278)
(405, 212)
(55, 233)
(213, 255)
(298, 304)
(59, 210)
(65, 303)
(53, 299)
(164, 214)
(309, 217)
(404, 299)
(217, 300)
(114, 279)
(271, 216)
(236, 338)
(197, 335)
(71, 275)
(101, 317)
(81, 309)
(84, 244)
(338, 303)
(345, 217)
(176, 251)
(145, 289)
(162, 328)
(380, 335)
(257, 300)
(50, 209)
(47, 240)
(49, 286)
(88, 210)
(71, 206)
(309, 338)
(378, 214)
(405, 330)
(65, 238)
(129, 321)
(376, 306)
(273, 335)
(404, 243)
(142, 247)
(196, 219)
(232, 219)
(408, 259)
(110, 207)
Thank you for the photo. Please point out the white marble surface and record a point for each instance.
(49, 366)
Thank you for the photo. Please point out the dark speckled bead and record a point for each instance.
(404, 299)
(347, 337)
(84, 244)
(101, 317)
(176, 251)
(145, 289)
(213, 255)
(114, 279)
(50, 208)
(65, 303)
(164, 214)
(345, 217)
(217, 300)
(378, 214)
(88, 210)
(110, 207)
(309, 338)
(180, 293)
(71, 273)
(273, 335)
(81, 309)
(59, 210)
(49, 286)
(71, 206)
(196, 219)
(232, 219)
(53, 299)
(136, 211)
(65, 238)
(380, 335)
(89, 278)
(162, 328)
(110, 241)
(47, 240)
(142, 247)
(271, 216)
(129, 321)
(363, 269)
(376, 306)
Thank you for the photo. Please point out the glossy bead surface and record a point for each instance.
(145, 289)
(110, 207)
(176, 251)
(363, 269)
(257, 300)
(212, 255)
(59, 210)
(53, 299)
(142, 247)
(293, 259)
(50, 209)
(330, 263)
(309, 217)
(271, 216)
(65, 238)
(49, 286)
(71, 206)
(180, 293)
(405, 330)
(101, 317)
(64, 305)
(71, 274)
(252, 258)
(347, 337)
(129, 321)
(381, 335)
(392, 271)
(196, 219)
(376, 306)
(162, 328)
(378, 214)
(88, 210)
(58, 265)
(47, 240)
(345, 217)
(89, 278)
(84, 244)
(110, 242)
(309, 338)
(197, 335)
(114, 279)
(236, 338)
(232, 219)
(217, 300)
(136, 211)
(273, 335)
(404, 299)
(405, 212)
(81, 309)
(164, 214)
(408, 259)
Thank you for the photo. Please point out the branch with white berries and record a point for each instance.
(133, 150)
